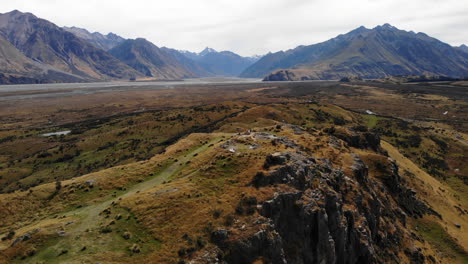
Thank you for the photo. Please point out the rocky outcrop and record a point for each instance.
(405, 196)
(282, 75)
(358, 138)
(266, 244)
(330, 217)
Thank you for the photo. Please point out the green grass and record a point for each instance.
(94, 145)
(371, 120)
(441, 240)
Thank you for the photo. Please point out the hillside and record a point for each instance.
(237, 173)
(42, 41)
(188, 63)
(105, 42)
(152, 61)
(370, 53)
(16, 68)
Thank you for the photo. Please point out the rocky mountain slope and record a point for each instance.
(371, 53)
(16, 68)
(105, 42)
(223, 63)
(152, 61)
(42, 41)
(187, 62)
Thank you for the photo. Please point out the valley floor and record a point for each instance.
(204, 173)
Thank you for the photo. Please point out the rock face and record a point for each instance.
(358, 139)
(370, 53)
(325, 216)
(280, 76)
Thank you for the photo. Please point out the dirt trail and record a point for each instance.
(91, 213)
(88, 218)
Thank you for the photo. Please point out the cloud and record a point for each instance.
(247, 26)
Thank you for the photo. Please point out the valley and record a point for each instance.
(233, 132)
(239, 171)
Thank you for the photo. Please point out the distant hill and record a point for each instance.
(152, 61)
(46, 43)
(187, 62)
(105, 42)
(223, 63)
(370, 53)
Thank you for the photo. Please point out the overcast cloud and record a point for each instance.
(250, 26)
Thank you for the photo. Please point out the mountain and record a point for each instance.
(150, 60)
(463, 48)
(206, 51)
(370, 53)
(188, 63)
(46, 43)
(105, 42)
(13, 61)
(224, 63)
(16, 68)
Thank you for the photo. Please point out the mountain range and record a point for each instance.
(34, 50)
(370, 53)
(223, 63)
(58, 51)
(148, 59)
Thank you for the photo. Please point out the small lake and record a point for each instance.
(59, 133)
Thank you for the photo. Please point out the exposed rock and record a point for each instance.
(219, 236)
(415, 255)
(127, 235)
(358, 139)
(294, 173)
(405, 197)
(282, 75)
(135, 248)
(275, 159)
(331, 218)
(360, 170)
(25, 237)
(266, 244)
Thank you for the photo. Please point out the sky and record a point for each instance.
(249, 27)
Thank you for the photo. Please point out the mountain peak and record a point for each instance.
(207, 50)
(141, 40)
(386, 26)
(398, 51)
(359, 30)
(463, 47)
(16, 12)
